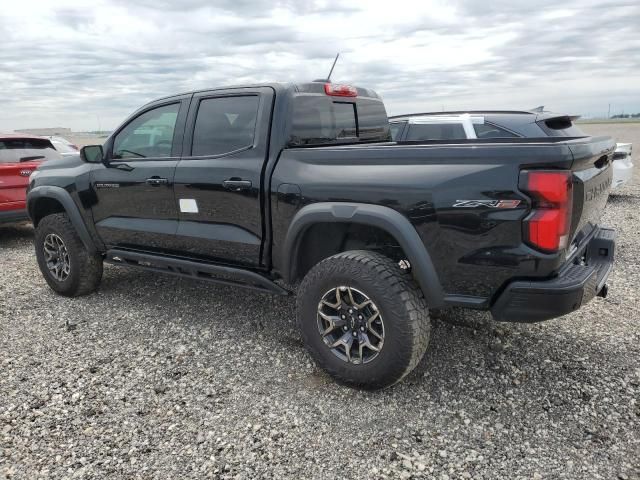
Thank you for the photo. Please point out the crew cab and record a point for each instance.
(273, 186)
(19, 156)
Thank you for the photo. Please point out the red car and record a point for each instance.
(19, 156)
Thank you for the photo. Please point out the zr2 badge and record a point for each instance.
(486, 203)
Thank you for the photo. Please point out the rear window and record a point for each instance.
(16, 150)
(345, 117)
(435, 131)
(320, 119)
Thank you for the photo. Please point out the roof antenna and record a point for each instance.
(332, 67)
(328, 79)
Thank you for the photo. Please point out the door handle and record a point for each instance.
(155, 181)
(236, 184)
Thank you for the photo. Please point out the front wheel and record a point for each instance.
(64, 261)
(363, 319)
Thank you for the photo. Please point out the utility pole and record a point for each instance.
(609, 112)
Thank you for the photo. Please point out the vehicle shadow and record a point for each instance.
(523, 364)
(617, 198)
(14, 233)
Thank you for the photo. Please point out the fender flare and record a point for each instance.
(385, 218)
(70, 208)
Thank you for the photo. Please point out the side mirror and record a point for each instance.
(92, 154)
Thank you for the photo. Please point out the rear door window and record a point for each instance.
(435, 131)
(16, 150)
(224, 125)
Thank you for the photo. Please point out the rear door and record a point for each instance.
(18, 158)
(135, 206)
(218, 180)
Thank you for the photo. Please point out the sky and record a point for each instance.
(88, 65)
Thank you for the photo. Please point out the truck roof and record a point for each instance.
(300, 87)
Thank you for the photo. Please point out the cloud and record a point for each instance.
(71, 65)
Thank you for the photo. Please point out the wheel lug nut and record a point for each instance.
(360, 317)
(355, 334)
(343, 316)
(362, 329)
(345, 328)
(350, 311)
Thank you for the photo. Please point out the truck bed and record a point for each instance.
(475, 250)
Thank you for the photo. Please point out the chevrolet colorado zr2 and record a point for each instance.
(273, 185)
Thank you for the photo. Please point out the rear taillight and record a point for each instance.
(335, 90)
(547, 227)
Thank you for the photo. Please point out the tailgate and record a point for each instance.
(592, 175)
(14, 178)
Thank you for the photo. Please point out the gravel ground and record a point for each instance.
(160, 377)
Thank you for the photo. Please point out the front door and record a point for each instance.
(218, 180)
(135, 206)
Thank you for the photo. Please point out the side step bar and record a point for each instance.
(236, 277)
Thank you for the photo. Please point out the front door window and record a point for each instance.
(148, 135)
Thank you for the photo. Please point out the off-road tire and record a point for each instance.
(85, 268)
(398, 299)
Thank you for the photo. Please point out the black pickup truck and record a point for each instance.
(273, 185)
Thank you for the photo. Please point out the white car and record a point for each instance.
(485, 125)
(64, 146)
(622, 165)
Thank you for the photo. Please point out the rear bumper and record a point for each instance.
(13, 216)
(575, 285)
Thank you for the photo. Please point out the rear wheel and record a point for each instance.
(363, 319)
(64, 261)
